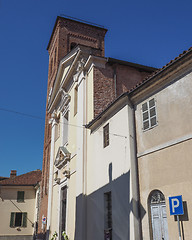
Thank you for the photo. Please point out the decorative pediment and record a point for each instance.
(62, 157)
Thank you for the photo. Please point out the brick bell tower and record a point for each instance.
(67, 34)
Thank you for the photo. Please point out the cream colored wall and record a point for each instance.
(164, 152)
(71, 204)
(116, 153)
(174, 111)
(169, 171)
(75, 144)
(117, 157)
(90, 100)
(71, 182)
(8, 204)
(55, 209)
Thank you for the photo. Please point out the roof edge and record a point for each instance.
(131, 64)
(73, 20)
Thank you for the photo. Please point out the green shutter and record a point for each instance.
(20, 196)
(24, 219)
(12, 219)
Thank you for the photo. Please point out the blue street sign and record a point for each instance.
(176, 205)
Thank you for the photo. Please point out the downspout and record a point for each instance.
(53, 123)
(85, 155)
(135, 178)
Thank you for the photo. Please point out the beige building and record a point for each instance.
(163, 112)
(19, 205)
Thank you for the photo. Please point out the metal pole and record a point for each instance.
(179, 227)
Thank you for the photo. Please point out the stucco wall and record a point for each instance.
(109, 169)
(164, 152)
(8, 204)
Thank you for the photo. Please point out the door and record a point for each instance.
(63, 210)
(158, 216)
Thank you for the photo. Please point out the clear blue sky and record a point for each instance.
(146, 32)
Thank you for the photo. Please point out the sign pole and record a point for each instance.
(179, 227)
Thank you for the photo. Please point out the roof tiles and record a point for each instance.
(27, 179)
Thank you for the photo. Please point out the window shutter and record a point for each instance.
(12, 219)
(24, 219)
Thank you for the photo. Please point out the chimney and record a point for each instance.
(13, 173)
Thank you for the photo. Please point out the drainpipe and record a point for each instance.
(85, 151)
(53, 122)
(135, 176)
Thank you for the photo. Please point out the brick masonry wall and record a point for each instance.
(104, 88)
(112, 81)
(128, 77)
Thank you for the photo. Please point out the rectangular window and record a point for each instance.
(57, 131)
(63, 209)
(108, 215)
(106, 136)
(18, 219)
(75, 100)
(149, 114)
(20, 196)
(66, 127)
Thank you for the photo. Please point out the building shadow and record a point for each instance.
(93, 205)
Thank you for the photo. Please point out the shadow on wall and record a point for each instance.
(95, 210)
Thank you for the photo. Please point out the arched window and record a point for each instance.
(156, 197)
(157, 216)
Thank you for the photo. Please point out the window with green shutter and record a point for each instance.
(18, 219)
(24, 220)
(12, 220)
(20, 196)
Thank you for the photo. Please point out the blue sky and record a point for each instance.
(145, 32)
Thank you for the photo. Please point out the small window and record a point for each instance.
(75, 99)
(108, 215)
(149, 114)
(106, 136)
(66, 128)
(18, 219)
(57, 131)
(20, 196)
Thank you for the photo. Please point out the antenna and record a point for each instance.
(81, 20)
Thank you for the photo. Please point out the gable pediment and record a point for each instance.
(65, 69)
(69, 69)
(63, 155)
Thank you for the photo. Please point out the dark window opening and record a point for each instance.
(73, 45)
(108, 216)
(18, 219)
(106, 136)
(63, 210)
(20, 196)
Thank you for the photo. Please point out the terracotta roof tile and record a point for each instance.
(2, 178)
(27, 179)
(160, 69)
